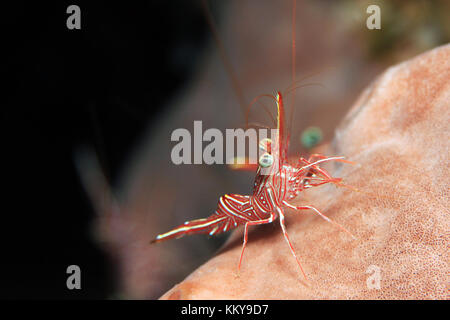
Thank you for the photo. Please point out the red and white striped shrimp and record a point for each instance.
(276, 183)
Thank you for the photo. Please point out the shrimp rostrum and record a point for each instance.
(276, 184)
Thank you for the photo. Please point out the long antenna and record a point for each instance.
(291, 114)
(224, 57)
(294, 7)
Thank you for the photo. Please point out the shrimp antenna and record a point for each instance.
(256, 99)
(291, 111)
(267, 110)
(310, 75)
(228, 67)
(291, 90)
(257, 124)
(293, 86)
(318, 84)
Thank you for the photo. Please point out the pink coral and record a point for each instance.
(398, 133)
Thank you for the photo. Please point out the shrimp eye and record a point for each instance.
(266, 145)
(266, 160)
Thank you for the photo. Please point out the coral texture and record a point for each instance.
(398, 133)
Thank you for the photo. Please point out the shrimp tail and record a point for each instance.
(227, 217)
(212, 225)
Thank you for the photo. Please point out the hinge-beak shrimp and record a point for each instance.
(276, 183)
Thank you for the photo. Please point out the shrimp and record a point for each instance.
(276, 183)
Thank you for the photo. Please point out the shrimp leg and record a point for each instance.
(320, 214)
(283, 227)
(252, 223)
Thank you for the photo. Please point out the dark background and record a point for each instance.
(100, 86)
